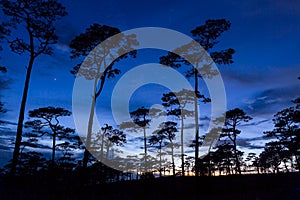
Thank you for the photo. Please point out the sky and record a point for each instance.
(262, 81)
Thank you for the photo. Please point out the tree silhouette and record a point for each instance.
(30, 161)
(38, 18)
(113, 137)
(271, 156)
(141, 119)
(47, 122)
(286, 130)
(252, 158)
(3, 33)
(3, 69)
(224, 157)
(176, 106)
(2, 110)
(169, 129)
(95, 67)
(67, 161)
(105, 131)
(233, 119)
(207, 36)
(158, 138)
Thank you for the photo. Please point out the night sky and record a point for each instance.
(262, 81)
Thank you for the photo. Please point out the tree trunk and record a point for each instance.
(107, 151)
(196, 124)
(237, 162)
(209, 166)
(90, 127)
(21, 117)
(286, 167)
(53, 150)
(160, 173)
(292, 162)
(298, 162)
(172, 157)
(182, 150)
(145, 147)
(102, 147)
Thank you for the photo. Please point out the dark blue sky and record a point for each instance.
(262, 81)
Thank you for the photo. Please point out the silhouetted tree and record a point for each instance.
(2, 110)
(188, 164)
(234, 118)
(169, 128)
(207, 36)
(251, 158)
(47, 122)
(95, 67)
(101, 137)
(287, 131)
(38, 18)
(3, 33)
(158, 138)
(30, 161)
(141, 119)
(71, 144)
(224, 157)
(132, 165)
(271, 156)
(114, 137)
(3, 69)
(176, 106)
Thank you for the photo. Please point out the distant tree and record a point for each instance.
(270, 157)
(3, 33)
(251, 158)
(224, 158)
(141, 119)
(47, 123)
(287, 132)
(207, 36)
(256, 164)
(158, 138)
(169, 129)
(38, 19)
(187, 166)
(101, 137)
(2, 110)
(95, 67)
(67, 161)
(30, 161)
(176, 106)
(132, 165)
(233, 119)
(114, 137)
(3, 69)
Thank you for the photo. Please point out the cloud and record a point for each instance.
(255, 123)
(7, 123)
(4, 84)
(272, 100)
(252, 143)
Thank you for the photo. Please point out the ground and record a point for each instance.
(258, 187)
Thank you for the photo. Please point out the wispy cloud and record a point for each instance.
(252, 143)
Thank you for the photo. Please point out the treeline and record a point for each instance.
(97, 154)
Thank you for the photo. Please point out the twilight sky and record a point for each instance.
(262, 80)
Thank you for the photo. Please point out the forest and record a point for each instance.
(49, 152)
